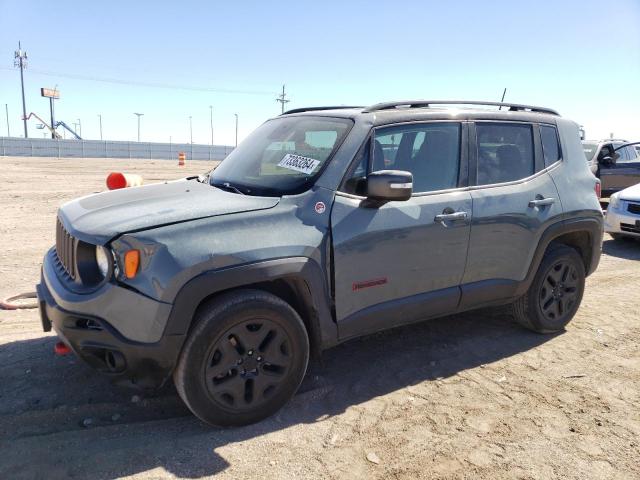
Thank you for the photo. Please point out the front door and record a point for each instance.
(624, 173)
(403, 261)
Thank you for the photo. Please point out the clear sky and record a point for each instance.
(580, 57)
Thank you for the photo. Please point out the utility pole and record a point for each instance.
(6, 111)
(282, 98)
(236, 128)
(20, 60)
(100, 117)
(211, 122)
(139, 115)
(190, 130)
(79, 129)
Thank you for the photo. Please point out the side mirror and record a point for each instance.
(390, 185)
(608, 161)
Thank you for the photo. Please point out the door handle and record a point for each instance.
(541, 202)
(450, 217)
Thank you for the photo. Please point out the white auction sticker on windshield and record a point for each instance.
(298, 163)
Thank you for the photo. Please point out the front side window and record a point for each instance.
(431, 152)
(505, 152)
(282, 156)
(606, 151)
(550, 145)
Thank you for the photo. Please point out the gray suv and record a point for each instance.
(323, 225)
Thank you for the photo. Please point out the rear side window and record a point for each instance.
(505, 152)
(550, 145)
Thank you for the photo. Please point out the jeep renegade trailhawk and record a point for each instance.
(323, 225)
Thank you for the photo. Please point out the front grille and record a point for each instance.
(66, 250)
(628, 227)
(633, 208)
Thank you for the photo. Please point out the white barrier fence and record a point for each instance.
(48, 147)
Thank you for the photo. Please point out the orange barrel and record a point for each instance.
(116, 180)
(181, 158)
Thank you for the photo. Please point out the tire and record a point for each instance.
(244, 359)
(548, 308)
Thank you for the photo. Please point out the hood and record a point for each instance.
(100, 217)
(630, 193)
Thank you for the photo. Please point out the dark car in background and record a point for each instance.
(615, 162)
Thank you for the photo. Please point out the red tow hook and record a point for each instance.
(61, 349)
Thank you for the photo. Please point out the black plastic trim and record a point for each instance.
(399, 312)
(319, 109)
(146, 365)
(191, 295)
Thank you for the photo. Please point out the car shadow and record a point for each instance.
(74, 423)
(627, 248)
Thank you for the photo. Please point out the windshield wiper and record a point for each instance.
(228, 187)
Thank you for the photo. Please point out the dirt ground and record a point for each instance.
(470, 396)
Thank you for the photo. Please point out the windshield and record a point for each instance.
(589, 150)
(282, 156)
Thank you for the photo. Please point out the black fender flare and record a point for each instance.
(592, 224)
(323, 330)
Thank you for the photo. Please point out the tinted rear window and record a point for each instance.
(550, 145)
(505, 152)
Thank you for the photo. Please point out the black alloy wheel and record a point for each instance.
(555, 293)
(247, 364)
(244, 358)
(559, 291)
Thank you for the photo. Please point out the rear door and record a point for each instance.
(403, 261)
(513, 200)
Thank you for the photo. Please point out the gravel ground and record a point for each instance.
(469, 396)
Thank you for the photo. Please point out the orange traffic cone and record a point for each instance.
(117, 180)
(181, 159)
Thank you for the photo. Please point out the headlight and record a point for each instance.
(614, 201)
(102, 259)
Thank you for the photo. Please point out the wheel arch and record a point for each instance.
(298, 281)
(582, 233)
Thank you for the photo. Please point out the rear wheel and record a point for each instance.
(245, 358)
(555, 293)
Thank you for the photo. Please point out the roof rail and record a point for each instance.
(313, 109)
(513, 107)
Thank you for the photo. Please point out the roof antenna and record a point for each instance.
(503, 94)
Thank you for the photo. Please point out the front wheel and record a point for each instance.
(245, 358)
(555, 293)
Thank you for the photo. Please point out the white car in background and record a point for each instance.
(623, 213)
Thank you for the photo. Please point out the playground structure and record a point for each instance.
(53, 128)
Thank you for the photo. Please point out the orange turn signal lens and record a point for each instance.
(131, 263)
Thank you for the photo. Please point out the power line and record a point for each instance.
(145, 84)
